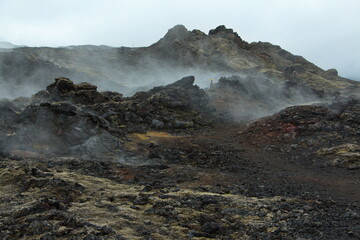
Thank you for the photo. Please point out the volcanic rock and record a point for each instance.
(180, 50)
(345, 155)
(70, 119)
(63, 89)
(178, 161)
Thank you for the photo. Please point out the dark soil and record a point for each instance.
(163, 164)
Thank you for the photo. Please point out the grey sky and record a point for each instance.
(326, 32)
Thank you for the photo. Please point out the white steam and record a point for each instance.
(253, 95)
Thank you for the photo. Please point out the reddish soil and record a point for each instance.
(271, 171)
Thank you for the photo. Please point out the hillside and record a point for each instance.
(171, 163)
(269, 149)
(180, 52)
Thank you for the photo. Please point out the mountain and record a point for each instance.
(269, 149)
(180, 52)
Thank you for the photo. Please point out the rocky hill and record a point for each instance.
(180, 52)
(269, 150)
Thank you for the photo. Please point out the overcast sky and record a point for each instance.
(326, 32)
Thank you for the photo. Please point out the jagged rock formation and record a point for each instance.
(176, 161)
(179, 52)
(67, 156)
(70, 119)
(326, 135)
(66, 118)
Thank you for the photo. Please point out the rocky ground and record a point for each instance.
(173, 163)
(190, 196)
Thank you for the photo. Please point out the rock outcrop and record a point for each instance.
(178, 161)
(179, 51)
(69, 119)
(328, 135)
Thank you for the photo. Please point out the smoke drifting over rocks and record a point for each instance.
(76, 120)
(179, 53)
(129, 146)
(70, 119)
(236, 82)
(249, 97)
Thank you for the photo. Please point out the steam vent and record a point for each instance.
(133, 143)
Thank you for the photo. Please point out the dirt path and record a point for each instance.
(331, 181)
(275, 168)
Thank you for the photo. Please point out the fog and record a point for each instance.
(323, 31)
(253, 95)
(25, 71)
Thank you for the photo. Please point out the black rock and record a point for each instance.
(211, 227)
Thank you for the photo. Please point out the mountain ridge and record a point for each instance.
(220, 52)
(270, 152)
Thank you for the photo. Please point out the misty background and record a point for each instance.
(324, 31)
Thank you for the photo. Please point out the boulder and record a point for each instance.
(332, 72)
(186, 82)
(63, 89)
